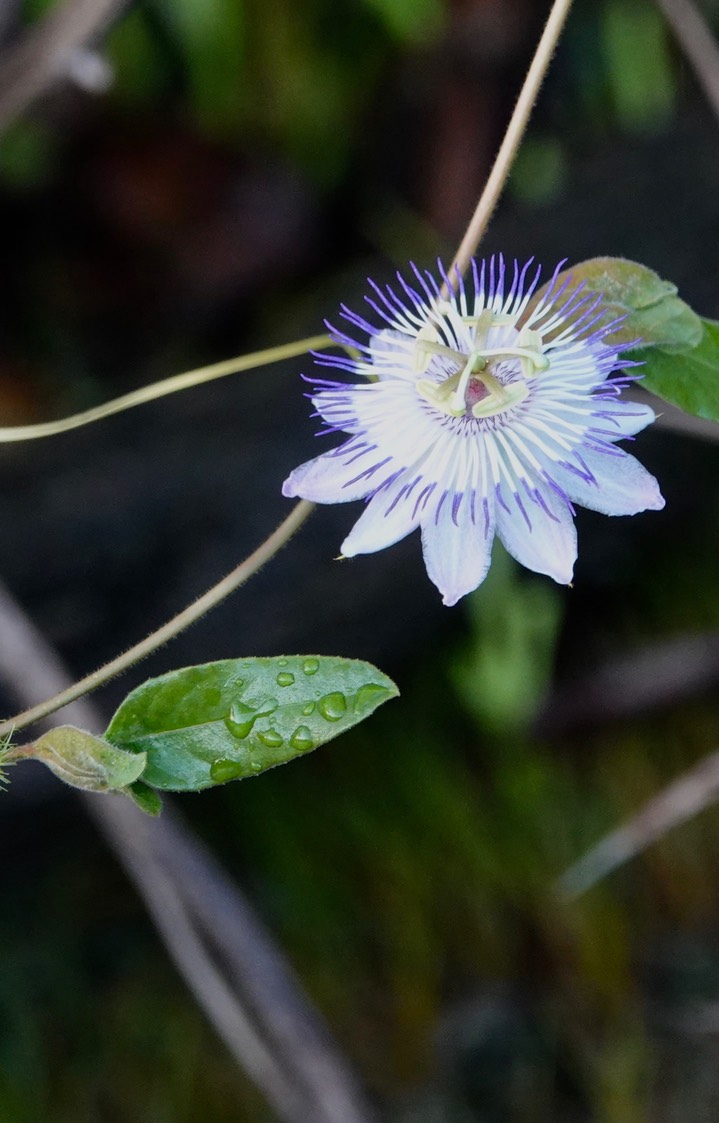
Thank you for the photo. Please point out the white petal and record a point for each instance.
(550, 546)
(387, 339)
(389, 516)
(337, 407)
(397, 420)
(622, 418)
(573, 366)
(457, 554)
(392, 355)
(623, 486)
(338, 479)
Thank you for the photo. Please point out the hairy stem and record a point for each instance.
(173, 627)
(162, 389)
(512, 138)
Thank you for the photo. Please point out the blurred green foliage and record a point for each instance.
(639, 66)
(27, 155)
(267, 72)
(506, 669)
(303, 79)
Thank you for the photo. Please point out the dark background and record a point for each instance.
(250, 163)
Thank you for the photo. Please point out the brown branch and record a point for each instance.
(271, 1029)
(31, 67)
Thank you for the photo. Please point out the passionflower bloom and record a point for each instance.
(480, 412)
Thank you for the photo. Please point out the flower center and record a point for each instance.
(473, 388)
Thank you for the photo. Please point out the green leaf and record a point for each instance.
(655, 315)
(689, 380)
(205, 725)
(85, 761)
(147, 799)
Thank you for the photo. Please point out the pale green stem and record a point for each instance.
(166, 386)
(173, 627)
(512, 139)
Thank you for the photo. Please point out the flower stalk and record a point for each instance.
(512, 139)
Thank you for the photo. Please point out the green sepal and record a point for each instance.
(147, 799)
(85, 761)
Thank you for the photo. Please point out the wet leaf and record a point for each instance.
(222, 721)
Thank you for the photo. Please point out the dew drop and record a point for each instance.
(308, 709)
(301, 739)
(282, 662)
(223, 770)
(240, 719)
(333, 706)
(311, 666)
(271, 738)
(369, 695)
(285, 678)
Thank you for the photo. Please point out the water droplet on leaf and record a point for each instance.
(223, 770)
(308, 709)
(311, 666)
(271, 738)
(333, 706)
(369, 695)
(285, 678)
(240, 720)
(301, 739)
